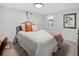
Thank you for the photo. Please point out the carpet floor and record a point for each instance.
(68, 49)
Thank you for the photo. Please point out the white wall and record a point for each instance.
(68, 34)
(37, 19)
(10, 18)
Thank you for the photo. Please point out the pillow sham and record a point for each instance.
(35, 27)
(28, 27)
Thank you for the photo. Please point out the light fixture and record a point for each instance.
(38, 5)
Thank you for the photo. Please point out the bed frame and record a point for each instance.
(18, 28)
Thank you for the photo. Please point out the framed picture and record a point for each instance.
(69, 20)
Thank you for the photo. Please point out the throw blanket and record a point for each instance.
(58, 38)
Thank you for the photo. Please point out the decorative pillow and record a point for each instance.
(28, 27)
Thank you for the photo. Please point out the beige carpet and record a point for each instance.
(68, 49)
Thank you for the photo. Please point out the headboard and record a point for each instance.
(18, 28)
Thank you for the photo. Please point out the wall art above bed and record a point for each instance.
(69, 20)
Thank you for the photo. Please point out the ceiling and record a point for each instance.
(47, 9)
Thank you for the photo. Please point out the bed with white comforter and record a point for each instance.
(39, 43)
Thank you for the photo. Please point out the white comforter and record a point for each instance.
(39, 43)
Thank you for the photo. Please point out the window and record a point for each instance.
(50, 23)
(50, 19)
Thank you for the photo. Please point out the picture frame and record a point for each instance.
(69, 20)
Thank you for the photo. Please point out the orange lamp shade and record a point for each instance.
(28, 27)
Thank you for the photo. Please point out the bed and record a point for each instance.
(40, 43)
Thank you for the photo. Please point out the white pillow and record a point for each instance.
(23, 27)
(35, 28)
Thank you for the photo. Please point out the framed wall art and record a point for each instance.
(69, 20)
